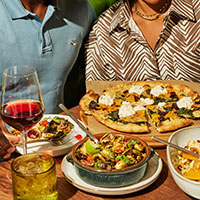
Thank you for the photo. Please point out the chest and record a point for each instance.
(177, 54)
(56, 44)
(151, 30)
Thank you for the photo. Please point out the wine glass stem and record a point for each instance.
(24, 137)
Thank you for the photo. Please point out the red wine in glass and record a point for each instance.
(22, 114)
(21, 102)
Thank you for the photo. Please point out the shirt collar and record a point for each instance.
(16, 10)
(184, 8)
(121, 17)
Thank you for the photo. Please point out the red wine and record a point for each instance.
(22, 114)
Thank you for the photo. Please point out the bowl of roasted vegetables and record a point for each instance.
(118, 160)
(185, 169)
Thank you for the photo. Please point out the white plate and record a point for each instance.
(154, 168)
(47, 147)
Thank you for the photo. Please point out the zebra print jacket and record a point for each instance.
(116, 49)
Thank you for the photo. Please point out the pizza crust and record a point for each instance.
(171, 125)
(86, 99)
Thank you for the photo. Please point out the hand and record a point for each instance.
(13, 140)
(9, 151)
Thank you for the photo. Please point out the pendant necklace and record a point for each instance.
(152, 16)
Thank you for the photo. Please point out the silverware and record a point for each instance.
(79, 124)
(57, 142)
(175, 146)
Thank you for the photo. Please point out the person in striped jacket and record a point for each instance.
(145, 40)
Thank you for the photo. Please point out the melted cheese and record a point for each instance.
(126, 109)
(146, 101)
(138, 89)
(156, 91)
(105, 99)
(161, 104)
(139, 107)
(185, 102)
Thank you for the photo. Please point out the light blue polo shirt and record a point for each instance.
(51, 45)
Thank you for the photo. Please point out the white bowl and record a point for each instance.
(181, 138)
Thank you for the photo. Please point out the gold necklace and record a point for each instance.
(152, 16)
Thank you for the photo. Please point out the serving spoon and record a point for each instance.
(175, 146)
(79, 124)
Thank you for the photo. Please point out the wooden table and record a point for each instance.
(163, 188)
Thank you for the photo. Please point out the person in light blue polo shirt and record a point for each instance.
(46, 35)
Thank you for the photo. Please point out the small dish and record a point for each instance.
(47, 147)
(154, 168)
(115, 177)
(181, 138)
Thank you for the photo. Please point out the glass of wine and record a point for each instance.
(21, 104)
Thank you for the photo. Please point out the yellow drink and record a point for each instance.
(34, 177)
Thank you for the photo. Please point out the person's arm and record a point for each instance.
(13, 139)
(9, 151)
(6, 144)
(7, 141)
(101, 5)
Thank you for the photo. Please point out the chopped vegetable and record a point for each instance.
(91, 147)
(45, 123)
(113, 152)
(52, 128)
(139, 147)
(33, 134)
(188, 165)
(79, 137)
(55, 128)
(89, 158)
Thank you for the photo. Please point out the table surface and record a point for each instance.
(163, 188)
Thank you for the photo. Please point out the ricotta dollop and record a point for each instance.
(157, 90)
(139, 107)
(106, 100)
(146, 101)
(138, 89)
(185, 102)
(161, 104)
(126, 109)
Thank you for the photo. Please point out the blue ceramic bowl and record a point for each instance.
(115, 178)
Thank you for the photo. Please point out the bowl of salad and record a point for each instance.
(185, 169)
(118, 160)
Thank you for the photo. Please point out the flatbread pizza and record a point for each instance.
(130, 107)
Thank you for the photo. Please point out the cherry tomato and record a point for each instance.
(90, 158)
(126, 139)
(45, 123)
(78, 137)
(119, 151)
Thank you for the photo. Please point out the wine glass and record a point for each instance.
(21, 104)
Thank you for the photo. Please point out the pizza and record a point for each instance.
(133, 107)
